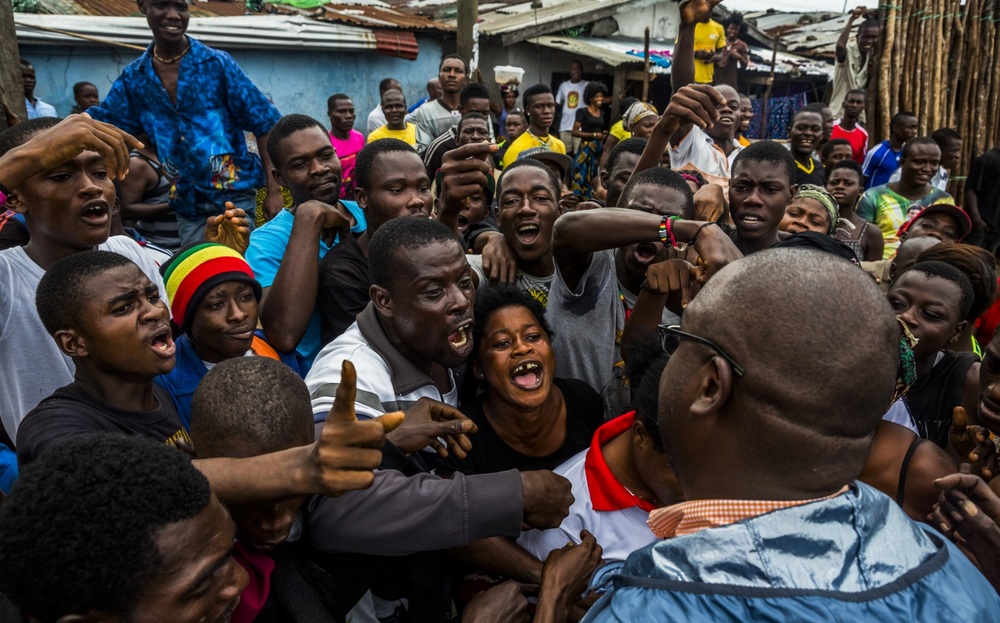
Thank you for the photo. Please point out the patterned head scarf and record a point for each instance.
(637, 111)
(907, 374)
(825, 199)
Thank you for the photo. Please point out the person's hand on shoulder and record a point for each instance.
(565, 575)
(499, 261)
(709, 203)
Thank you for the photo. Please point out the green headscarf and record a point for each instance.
(825, 199)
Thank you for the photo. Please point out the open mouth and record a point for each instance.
(725, 120)
(163, 343)
(528, 233)
(750, 219)
(461, 339)
(645, 253)
(96, 213)
(527, 375)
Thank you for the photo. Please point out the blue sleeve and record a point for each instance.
(117, 108)
(264, 256)
(248, 105)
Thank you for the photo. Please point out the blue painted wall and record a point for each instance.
(296, 81)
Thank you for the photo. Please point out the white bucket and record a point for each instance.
(505, 74)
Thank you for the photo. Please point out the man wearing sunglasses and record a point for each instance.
(767, 422)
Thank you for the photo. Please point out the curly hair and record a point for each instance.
(490, 300)
(78, 532)
(593, 89)
(978, 264)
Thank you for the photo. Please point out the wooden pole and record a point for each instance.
(885, 66)
(468, 13)
(11, 86)
(645, 67)
(770, 87)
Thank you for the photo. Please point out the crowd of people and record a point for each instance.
(493, 359)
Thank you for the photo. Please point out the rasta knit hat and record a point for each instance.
(197, 268)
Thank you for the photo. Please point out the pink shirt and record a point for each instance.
(347, 151)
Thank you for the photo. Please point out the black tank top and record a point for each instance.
(932, 398)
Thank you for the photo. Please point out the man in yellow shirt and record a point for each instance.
(709, 42)
(540, 106)
(394, 109)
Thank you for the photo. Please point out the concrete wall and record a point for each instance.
(539, 63)
(296, 81)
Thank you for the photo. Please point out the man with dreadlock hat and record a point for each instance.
(812, 209)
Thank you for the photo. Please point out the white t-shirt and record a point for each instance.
(698, 151)
(620, 527)
(33, 366)
(376, 119)
(537, 287)
(570, 95)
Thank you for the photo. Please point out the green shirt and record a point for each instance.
(887, 209)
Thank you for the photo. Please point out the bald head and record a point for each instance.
(820, 345)
(909, 249)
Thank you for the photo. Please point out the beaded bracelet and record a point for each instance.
(667, 231)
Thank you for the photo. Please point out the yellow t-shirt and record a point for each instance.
(527, 140)
(709, 36)
(409, 134)
(618, 130)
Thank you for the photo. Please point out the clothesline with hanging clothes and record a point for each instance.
(780, 111)
(660, 58)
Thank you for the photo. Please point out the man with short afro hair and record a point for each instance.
(108, 526)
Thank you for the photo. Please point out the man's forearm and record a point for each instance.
(502, 556)
(290, 300)
(682, 70)
(264, 478)
(589, 231)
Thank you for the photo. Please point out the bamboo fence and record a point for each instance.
(941, 60)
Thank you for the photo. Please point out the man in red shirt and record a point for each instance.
(848, 128)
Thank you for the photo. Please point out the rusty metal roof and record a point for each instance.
(127, 8)
(369, 15)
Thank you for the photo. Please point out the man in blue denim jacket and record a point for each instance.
(767, 421)
(195, 103)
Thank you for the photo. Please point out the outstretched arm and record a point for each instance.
(845, 34)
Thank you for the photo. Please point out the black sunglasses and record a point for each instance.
(671, 335)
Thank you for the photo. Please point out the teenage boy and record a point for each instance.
(214, 301)
(933, 299)
(285, 252)
(853, 59)
(540, 106)
(436, 116)
(346, 141)
(836, 150)
(725, 381)
(396, 125)
(884, 158)
(848, 127)
(944, 221)
(67, 209)
(195, 103)
(803, 137)
(708, 147)
(888, 205)
(105, 314)
(474, 98)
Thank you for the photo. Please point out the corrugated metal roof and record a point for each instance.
(127, 8)
(246, 32)
(519, 21)
(808, 34)
(363, 15)
(618, 51)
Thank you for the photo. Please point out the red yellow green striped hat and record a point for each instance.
(197, 268)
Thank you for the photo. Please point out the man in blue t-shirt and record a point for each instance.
(285, 252)
(883, 160)
(195, 103)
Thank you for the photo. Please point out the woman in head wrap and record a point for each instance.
(812, 209)
(640, 119)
